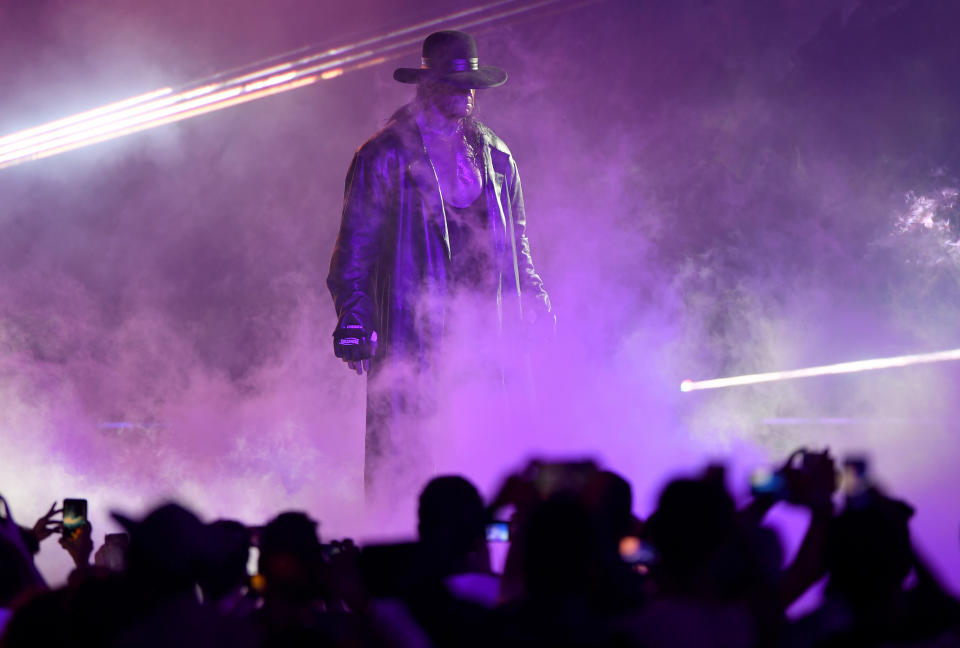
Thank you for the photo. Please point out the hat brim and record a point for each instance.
(487, 76)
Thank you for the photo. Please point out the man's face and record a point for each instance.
(450, 101)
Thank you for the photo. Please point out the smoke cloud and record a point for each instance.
(713, 188)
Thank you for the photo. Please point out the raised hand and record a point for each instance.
(813, 483)
(45, 526)
(79, 544)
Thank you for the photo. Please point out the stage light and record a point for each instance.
(823, 370)
(10, 140)
(264, 78)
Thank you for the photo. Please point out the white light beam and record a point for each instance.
(166, 105)
(823, 370)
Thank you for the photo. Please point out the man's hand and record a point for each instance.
(79, 544)
(45, 527)
(813, 483)
(354, 344)
(364, 365)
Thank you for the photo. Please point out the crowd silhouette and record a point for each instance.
(581, 570)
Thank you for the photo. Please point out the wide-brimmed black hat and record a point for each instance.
(451, 57)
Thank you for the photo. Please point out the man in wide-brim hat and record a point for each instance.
(432, 210)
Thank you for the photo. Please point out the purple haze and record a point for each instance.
(713, 188)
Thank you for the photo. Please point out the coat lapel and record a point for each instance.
(495, 186)
(421, 171)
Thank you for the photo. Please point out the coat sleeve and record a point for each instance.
(530, 282)
(353, 266)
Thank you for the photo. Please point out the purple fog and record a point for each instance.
(713, 188)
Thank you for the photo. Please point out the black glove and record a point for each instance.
(352, 341)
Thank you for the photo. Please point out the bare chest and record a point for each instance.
(458, 169)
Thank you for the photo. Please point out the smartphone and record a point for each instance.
(253, 560)
(636, 552)
(498, 532)
(121, 540)
(113, 553)
(568, 476)
(74, 516)
(330, 550)
(765, 481)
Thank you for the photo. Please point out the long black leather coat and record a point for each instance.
(391, 259)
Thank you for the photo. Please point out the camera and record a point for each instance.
(74, 516)
(498, 531)
(551, 477)
(790, 481)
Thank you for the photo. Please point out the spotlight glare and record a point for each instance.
(79, 117)
(223, 102)
(823, 370)
(267, 77)
(270, 81)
